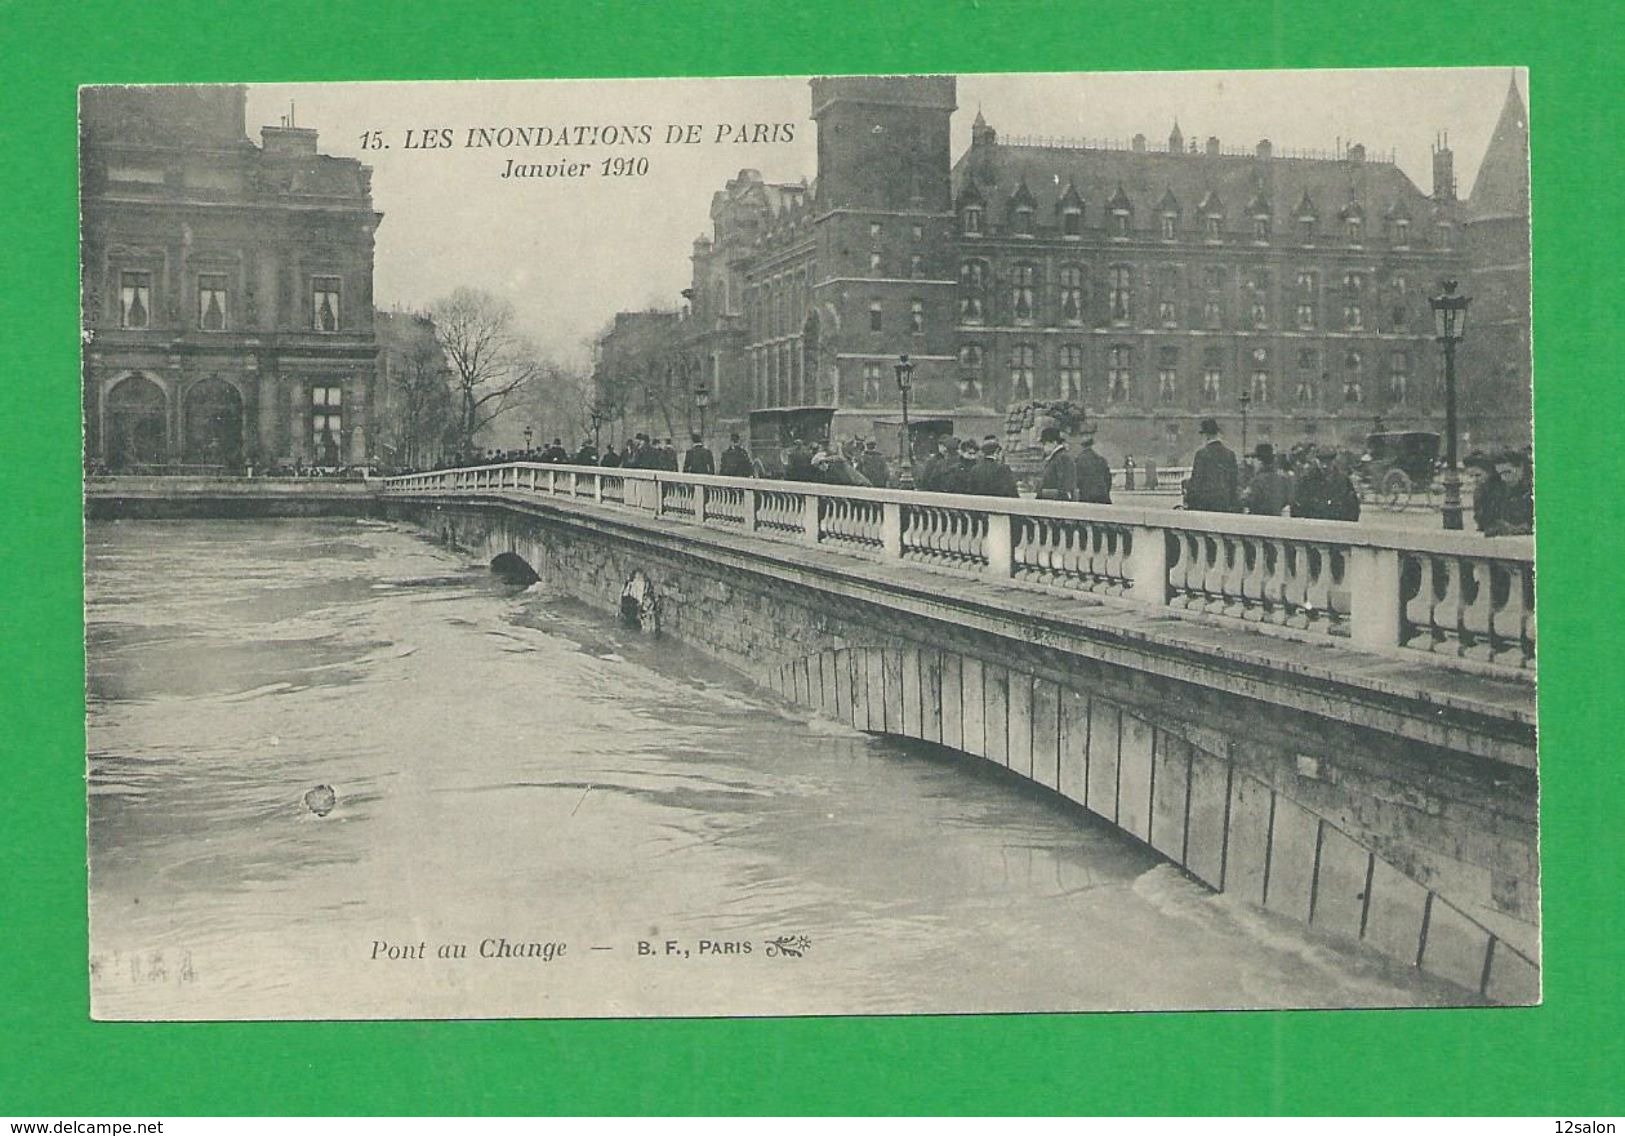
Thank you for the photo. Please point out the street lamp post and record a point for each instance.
(702, 399)
(905, 443)
(597, 415)
(528, 435)
(1450, 323)
(1246, 400)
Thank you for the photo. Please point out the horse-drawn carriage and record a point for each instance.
(773, 429)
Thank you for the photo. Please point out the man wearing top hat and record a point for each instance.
(1214, 476)
(736, 459)
(991, 477)
(1270, 491)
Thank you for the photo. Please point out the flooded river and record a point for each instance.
(539, 813)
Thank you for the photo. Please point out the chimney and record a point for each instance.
(1212, 147)
(1356, 152)
(1139, 143)
(1265, 149)
(1444, 171)
(286, 141)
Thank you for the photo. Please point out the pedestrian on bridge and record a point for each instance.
(1094, 475)
(736, 459)
(1060, 479)
(934, 477)
(992, 477)
(611, 459)
(699, 459)
(873, 466)
(1215, 476)
(1270, 491)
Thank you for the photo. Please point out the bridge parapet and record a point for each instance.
(1468, 601)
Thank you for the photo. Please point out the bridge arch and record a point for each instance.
(511, 568)
(1184, 795)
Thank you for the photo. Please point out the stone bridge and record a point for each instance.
(1335, 722)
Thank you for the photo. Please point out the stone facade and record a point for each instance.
(227, 286)
(1154, 284)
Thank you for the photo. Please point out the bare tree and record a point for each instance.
(490, 363)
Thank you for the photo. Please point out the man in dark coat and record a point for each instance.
(1515, 509)
(699, 459)
(587, 454)
(1342, 499)
(556, 454)
(960, 477)
(736, 459)
(873, 466)
(991, 477)
(798, 462)
(611, 459)
(1094, 475)
(1214, 475)
(1269, 492)
(1060, 480)
(666, 456)
(934, 477)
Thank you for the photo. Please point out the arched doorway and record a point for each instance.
(135, 424)
(214, 424)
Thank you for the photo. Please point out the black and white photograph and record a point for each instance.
(803, 546)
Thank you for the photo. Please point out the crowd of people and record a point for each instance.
(1309, 481)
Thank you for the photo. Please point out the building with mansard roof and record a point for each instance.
(1156, 284)
(227, 286)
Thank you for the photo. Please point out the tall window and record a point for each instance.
(1120, 374)
(918, 232)
(1306, 230)
(1212, 313)
(1071, 371)
(1258, 299)
(1399, 317)
(1402, 232)
(916, 266)
(871, 383)
(326, 420)
(324, 294)
(1023, 292)
(1308, 368)
(972, 290)
(1308, 286)
(1024, 219)
(916, 317)
(874, 262)
(1260, 385)
(874, 230)
(1072, 223)
(211, 302)
(1168, 375)
(875, 321)
(1212, 375)
(135, 299)
(1168, 296)
(1021, 371)
(1261, 228)
(1120, 220)
(1072, 294)
(971, 220)
(1354, 227)
(972, 368)
(1399, 376)
(1353, 377)
(1120, 295)
(1170, 226)
(1211, 226)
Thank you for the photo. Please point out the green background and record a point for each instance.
(1563, 1059)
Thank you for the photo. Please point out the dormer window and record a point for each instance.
(1120, 223)
(1210, 226)
(1402, 232)
(1024, 220)
(1072, 223)
(971, 220)
(1261, 228)
(1306, 230)
(1353, 228)
(1170, 226)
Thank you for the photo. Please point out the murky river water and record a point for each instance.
(510, 766)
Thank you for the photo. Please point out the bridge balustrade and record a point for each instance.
(1465, 599)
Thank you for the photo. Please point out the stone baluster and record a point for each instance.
(1146, 565)
(1373, 580)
